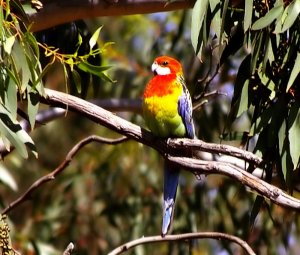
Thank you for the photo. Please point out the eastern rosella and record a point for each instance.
(167, 108)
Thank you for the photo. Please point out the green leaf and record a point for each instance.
(294, 133)
(11, 101)
(248, 14)
(283, 147)
(13, 131)
(21, 66)
(94, 38)
(243, 104)
(7, 179)
(256, 208)
(9, 44)
(293, 11)
(95, 70)
(33, 106)
(216, 19)
(268, 18)
(31, 40)
(198, 14)
(77, 80)
(295, 72)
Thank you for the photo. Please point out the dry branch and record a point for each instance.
(183, 237)
(276, 195)
(57, 12)
(135, 132)
(51, 176)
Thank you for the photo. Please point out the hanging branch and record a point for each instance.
(183, 237)
(51, 176)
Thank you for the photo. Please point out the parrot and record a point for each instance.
(167, 111)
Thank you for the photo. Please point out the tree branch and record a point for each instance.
(164, 147)
(188, 236)
(276, 195)
(57, 12)
(51, 176)
(215, 148)
(45, 116)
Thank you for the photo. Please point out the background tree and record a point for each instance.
(244, 88)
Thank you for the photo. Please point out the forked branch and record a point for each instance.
(169, 148)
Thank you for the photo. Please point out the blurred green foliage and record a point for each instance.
(111, 194)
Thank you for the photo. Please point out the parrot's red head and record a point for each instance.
(165, 65)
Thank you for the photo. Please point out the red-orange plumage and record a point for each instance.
(160, 86)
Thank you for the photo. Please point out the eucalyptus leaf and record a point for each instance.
(33, 105)
(94, 38)
(243, 104)
(198, 14)
(13, 131)
(8, 44)
(92, 69)
(295, 72)
(293, 11)
(7, 179)
(77, 80)
(11, 101)
(294, 133)
(266, 20)
(248, 14)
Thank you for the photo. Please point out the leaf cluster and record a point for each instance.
(267, 34)
(22, 74)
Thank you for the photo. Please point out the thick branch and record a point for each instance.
(215, 148)
(61, 11)
(266, 190)
(188, 236)
(135, 132)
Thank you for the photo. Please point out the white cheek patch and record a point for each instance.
(160, 70)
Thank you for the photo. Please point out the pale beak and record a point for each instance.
(154, 67)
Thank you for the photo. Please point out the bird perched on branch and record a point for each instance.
(167, 109)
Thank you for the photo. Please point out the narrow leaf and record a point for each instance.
(11, 102)
(7, 179)
(248, 14)
(33, 106)
(13, 131)
(9, 44)
(243, 105)
(255, 209)
(295, 72)
(268, 18)
(292, 14)
(94, 38)
(198, 15)
(77, 80)
(92, 69)
(294, 133)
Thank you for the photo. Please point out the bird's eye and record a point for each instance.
(165, 63)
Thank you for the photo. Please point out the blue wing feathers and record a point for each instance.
(185, 109)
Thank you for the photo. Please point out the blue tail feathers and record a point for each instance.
(171, 178)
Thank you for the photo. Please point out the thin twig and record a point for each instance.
(51, 176)
(204, 99)
(183, 237)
